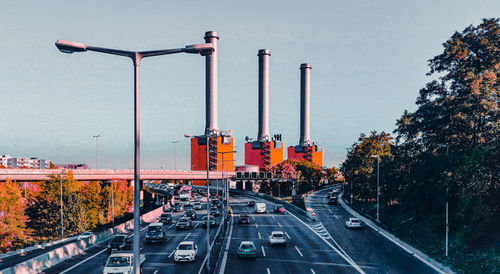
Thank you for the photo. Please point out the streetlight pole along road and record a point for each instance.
(175, 153)
(378, 188)
(97, 150)
(136, 56)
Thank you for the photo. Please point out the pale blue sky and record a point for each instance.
(368, 62)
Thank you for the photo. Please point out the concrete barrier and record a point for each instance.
(52, 258)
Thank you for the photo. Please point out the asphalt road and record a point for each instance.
(159, 256)
(365, 246)
(305, 252)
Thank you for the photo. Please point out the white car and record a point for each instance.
(277, 238)
(197, 205)
(186, 251)
(260, 208)
(353, 223)
(85, 235)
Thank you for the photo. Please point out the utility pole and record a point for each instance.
(175, 153)
(97, 150)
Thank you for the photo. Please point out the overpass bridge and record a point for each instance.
(110, 174)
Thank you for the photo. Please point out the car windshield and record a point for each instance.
(165, 215)
(185, 247)
(278, 235)
(118, 261)
(118, 239)
(247, 246)
(279, 206)
(354, 221)
(154, 229)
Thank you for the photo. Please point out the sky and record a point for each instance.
(368, 58)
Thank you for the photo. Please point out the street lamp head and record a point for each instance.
(188, 135)
(70, 47)
(202, 49)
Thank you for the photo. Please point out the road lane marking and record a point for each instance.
(330, 211)
(263, 251)
(280, 224)
(349, 260)
(300, 253)
(170, 226)
(312, 271)
(224, 259)
(268, 271)
(172, 253)
(256, 225)
(83, 261)
(273, 217)
(156, 271)
(187, 235)
(196, 225)
(259, 235)
(287, 236)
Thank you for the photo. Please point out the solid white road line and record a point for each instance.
(268, 271)
(263, 251)
(287, 236)
(187, 235)
(350, 261)
(312, 271)
(224, 259)
(300, 253)
(156, 271)
(172, 253)
(259, 235)
(83, 261)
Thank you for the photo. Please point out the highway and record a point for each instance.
(365, 245)
(305, 252)
(159, 256)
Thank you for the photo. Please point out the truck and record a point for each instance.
(122, 263)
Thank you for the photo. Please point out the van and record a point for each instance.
(260, 208)
(156, 233)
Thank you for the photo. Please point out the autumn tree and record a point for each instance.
(12, 219)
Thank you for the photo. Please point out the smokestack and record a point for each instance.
(211, 84)
(263, 135)
(305, 95)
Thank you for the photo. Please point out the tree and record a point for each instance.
(13, 229)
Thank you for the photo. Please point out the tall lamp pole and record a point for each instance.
(224, 185)
(97, 150)
(136, 56)
(175, 153)
(378, 188)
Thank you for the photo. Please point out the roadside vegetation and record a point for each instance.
(447, 151)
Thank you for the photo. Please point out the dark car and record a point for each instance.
(178, 207)
(243, 219)
(332, 200)
(190, 213)
(215, 202)
(279, 208)
(251, 203)
(211, 221)
(117, 243)
(166, 218)
(214, 211)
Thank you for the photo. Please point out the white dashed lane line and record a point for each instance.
(263, 251)
(300, 253)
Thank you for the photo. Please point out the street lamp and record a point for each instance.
(225, 193)
(378, 188)
(97, 150)
(62, 218)
(207, 137)
(136, 56)
(175, 153)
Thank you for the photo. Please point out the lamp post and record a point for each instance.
(97, 150)
(175, 153)
(136, 56)
(224, 185)
(378, 188)
(62, 218)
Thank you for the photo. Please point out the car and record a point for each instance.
(197, 206)
(353, 223)
(190, 213)
(214, 211)
(155, 233)
(122, 263)
(247, 249)
(188, 206)
(117, 243)
(279, 208)
(183, 223)
(277, 238)
(178, 207)
(335, 191)
(210, 221)
(85, 235)
(260, 208)
(215, 202)
(251, 203)
(332, 200)
(243, 219)
(167, 208)
(186, 251)
(166, 218)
